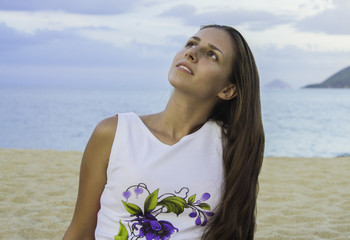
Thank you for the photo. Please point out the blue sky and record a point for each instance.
(132, 43)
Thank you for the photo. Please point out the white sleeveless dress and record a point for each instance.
(158, 191)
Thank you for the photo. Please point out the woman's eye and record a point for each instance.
(190, 44)
(212, 55)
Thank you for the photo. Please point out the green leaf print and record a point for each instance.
(151, 201)
(132, 208)
(204, 206)
(122, 234)
(148, 223)
(191, 199)
(174, 204)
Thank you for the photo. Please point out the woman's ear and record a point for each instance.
(228, 93)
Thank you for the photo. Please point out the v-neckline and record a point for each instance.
(155, 139)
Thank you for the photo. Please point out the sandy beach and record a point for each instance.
(299, 198)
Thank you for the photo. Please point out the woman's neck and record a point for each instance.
(182, 116)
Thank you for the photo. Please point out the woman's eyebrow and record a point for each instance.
(209, 44)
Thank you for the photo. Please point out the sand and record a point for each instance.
(304, 199)
(298, 199)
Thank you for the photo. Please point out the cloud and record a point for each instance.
(80, 41)
(291, 8)
(120, 30)
(68, 48)
(265, 28)
(77, 6)
(253, 20)
(332, 21)
(63, 57)
(10, 39)
(282, 36)
(52, 48)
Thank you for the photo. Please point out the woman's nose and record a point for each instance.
(192, 55)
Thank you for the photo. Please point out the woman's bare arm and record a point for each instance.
(92, 180)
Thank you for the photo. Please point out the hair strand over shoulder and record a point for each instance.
(243, 147)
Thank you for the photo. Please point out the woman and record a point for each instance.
(189, 172)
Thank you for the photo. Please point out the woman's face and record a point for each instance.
(202, 68)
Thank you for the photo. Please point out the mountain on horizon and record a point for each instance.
(340, 79)
(277, 83)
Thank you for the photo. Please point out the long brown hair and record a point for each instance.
(243, 147)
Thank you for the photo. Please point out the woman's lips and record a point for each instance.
(185, 68)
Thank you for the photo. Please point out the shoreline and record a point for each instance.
(299, 198)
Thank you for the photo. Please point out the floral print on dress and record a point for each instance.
(146, 224)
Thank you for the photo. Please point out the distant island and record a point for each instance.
(277, 83)
(339, 80)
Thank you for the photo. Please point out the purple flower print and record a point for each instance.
(209, 214)
(143, 222)
(198, 208)
(193, 214)
(152, 229)
(198, 221)
(205, 197)
(127, 194)
(138, 191)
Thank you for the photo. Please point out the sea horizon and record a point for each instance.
(297, 122)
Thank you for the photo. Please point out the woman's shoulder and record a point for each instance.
(106, 128)
(101, 139)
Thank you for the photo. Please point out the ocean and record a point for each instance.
(297, 122)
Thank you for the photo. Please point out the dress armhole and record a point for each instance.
(119, 133)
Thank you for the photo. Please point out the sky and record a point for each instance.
(132, 43)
